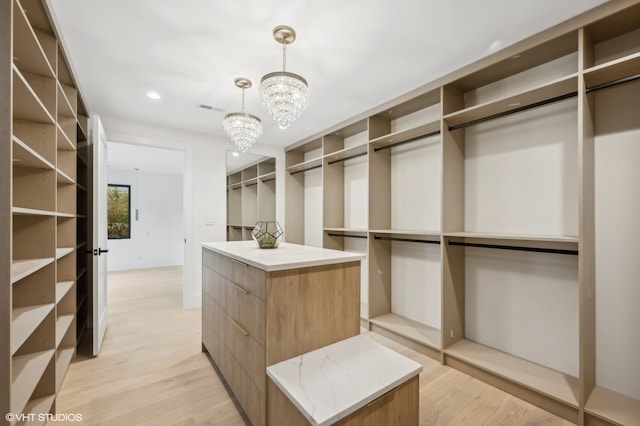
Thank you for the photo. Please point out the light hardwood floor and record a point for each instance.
(151, 370)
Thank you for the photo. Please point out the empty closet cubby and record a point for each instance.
(303, 188)
(251, 196)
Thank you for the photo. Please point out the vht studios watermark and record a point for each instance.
(43, 417)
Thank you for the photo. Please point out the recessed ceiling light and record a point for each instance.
(235, 154)
(153, 95)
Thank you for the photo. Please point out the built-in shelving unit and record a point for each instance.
(501, 215)
(39, 309)
(251, 197)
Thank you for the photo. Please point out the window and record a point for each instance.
(119, 211)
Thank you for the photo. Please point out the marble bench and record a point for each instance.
(355, 381)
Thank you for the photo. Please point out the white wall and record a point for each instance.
(157, 237)
(205, 213)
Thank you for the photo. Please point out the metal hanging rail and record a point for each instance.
(251, 184)
(437, 132)
(304, 170)
(331, 234)
(408, 240)
(347, 158)
(515, 110)
(613, 83)
(268, 180)
(516, 248)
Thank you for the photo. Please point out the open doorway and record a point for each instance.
(153, 180)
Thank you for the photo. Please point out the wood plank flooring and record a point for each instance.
(151, 370)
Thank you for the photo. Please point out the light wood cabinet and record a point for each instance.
(499, 222)
(253, 318)
(251, 197)
(39, 120)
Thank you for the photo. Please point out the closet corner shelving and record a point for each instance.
(39, 309)
(500, 221)
(251, 197)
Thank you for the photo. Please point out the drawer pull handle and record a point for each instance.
(240, 288)
(237, 261)
(241, 328)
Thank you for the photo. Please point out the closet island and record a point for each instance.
(263, 306)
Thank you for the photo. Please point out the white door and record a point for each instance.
(100, 242)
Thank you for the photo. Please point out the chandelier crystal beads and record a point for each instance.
(284, 94)
(243, 129)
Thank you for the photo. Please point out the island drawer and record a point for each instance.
(242, 274)
(246, 350)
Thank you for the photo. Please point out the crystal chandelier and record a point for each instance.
(284, 94)
(242, 128)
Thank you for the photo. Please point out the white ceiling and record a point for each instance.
(355, 54)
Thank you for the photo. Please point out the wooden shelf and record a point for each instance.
(39, 406)
(25, 156)
(514, 237)
(62, 288)
(405, 135)
(24, 322)
(347, 153)
(560, 87)
(354, 230)
(27, 51)
(405, 327)
(26, 373)
(61, 214)
(65, 355)
(268, 176)
(63, 178)
(26, 104)
(554, 384)
(23, 268)
(62, 252)
(64, 142)
(407, 232)
(304, 166)
(33, 212)
(613, 70)
(65, 108)
(613, 406)
(62, 326)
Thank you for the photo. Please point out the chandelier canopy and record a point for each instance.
(284, 94)
(242, 128)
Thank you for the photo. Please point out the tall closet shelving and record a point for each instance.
(501, 224)
(39, 126)
(251, 197)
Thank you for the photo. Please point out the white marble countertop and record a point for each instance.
(334, 381)
(286, 256)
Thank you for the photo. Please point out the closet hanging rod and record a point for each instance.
(237, 187)
(426, 135)
(407, 240)
(613, 83)
(304, 170)
(515, 110)
(331, 234)
(516, 248)
(348, 158)
(268, 180)
(251, 184)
